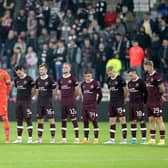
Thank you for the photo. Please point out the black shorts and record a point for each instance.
(89, 113)
(154, 110)
(23, 110)
(43, 111)
(136, 112)
(68, 110)
(116, 111)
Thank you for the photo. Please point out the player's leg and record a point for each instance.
(133, 131)
(72, 112)
(28, 119)
(112, 122)
(63, 123)
(124, 129)
(85, 119)
(40, 123)
(49, 111)
(152, 123)
(19, 118)
(52, 129)
(96, 131)
(6, 127)
(143, 132)
(162, 130)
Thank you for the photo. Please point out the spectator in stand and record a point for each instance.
(163, 29)
(69, 17)
(136, 55)
(65, 31)
(119, 48)
(18, 58)
(155, 47)
(21, 21)
(9, 5)
(59, 59)
(74, 57)
(100, 63)
(144, 40)
(31, 62)
(110, 16)
(162, 8)
(46, 11)
(41, 25)
(93, 27)
(31, 21)
(148, 24)
(163, 53)
(21, 44)
(9, 44)
(44, 38)
(87, 55)
(115, 63)
(118, 27)
(6, 23)
(32, 40)
(127, 18)
(129, 4)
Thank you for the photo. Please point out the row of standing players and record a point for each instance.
(149, 92)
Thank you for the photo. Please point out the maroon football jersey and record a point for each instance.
(45, 87)
(115, 85)
(152, 82)
(137, 90)
(67, 88)
(24, 87)
(90, 91)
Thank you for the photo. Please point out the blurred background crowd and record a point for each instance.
(85, 33)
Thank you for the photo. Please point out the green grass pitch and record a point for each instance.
(80, 156)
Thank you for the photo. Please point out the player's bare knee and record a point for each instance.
(40, 121)
(5, 118)
(73, 119)
(122, 120)
(51, 121)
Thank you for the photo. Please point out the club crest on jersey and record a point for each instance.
(25, 82)
(116, 82)
(69, 81)
(46, 83)
(91, 86)
(137, 84)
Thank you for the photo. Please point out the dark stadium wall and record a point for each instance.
(103, 111)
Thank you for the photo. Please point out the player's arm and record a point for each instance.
(99, 93)
(161, 88)
(77, 91)
(8, 82)
(144, 90)
(125, 88)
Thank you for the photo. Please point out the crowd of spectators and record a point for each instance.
(86, 34)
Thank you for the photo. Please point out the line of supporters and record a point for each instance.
(148, 92)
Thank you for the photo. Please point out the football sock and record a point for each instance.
(76, 129)
(143, 130)
(112, 131)
(162, 134)
(133, 130)
(96, 129)
(124, 131)
(19, 127)
(86, 129)
(52, 130)
(153, 134)
(40, 130)
(29, 126)
(64, 128)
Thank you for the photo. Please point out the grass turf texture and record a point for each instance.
(80, 156)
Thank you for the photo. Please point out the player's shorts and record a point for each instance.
(68, 111)
(23, 110)
(89, 113)
(154, 110)
(116, 111)
(136, 112)
(3, 105)
(43, 111)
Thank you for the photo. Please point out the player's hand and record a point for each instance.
(164, 98)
